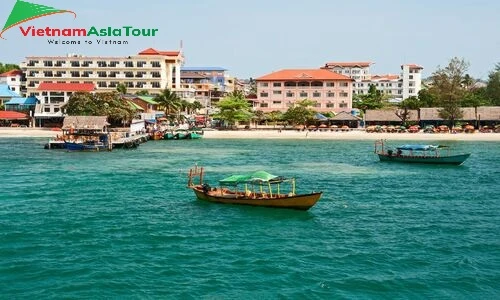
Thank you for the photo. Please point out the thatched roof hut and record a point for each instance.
(432, 114)
(488, 113)
(85, 122)
(388, 115)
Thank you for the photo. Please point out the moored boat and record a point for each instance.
(254, 189)
(419, 153)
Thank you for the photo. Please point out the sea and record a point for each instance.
(123, 225)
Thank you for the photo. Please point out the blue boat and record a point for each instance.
(99, 142)
(419, 153)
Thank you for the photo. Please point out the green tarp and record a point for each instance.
(256, 177)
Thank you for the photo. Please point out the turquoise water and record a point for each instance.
(122, 224)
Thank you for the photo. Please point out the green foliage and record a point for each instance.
(404, 113)
(474, 98)
(372, 100)
(169, 101)
(108, 104)
(427, 99)
(493, 86)
(447, 86)
(300, 113)
(121, 88)
(141, 93)
(234, 108)
(8, 67)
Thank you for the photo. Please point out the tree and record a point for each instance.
(121, 88)
(8, 67)
(493, 86)
(234, 108)
(259, 116)
(468, 82)
(169, 101)
(426, 98)
(411, 103)
(109, 104)
(300, 112)
(253, 86)
(141, 93)
(372, 100)
(447, 87)
(274, 116)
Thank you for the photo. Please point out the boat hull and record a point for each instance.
(298, 202)
(446, 160)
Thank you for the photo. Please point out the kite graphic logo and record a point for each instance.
(25, 11)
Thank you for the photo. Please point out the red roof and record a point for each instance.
(12, 115)
(304, 74)
(151, 51)
(66, 87)
(361, 64)
(11, 73)
(413, 66)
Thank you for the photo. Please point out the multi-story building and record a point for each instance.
(150, 70)
(411, 76)
(13, 79)
(358, 71)
(397, 87)
(280, 90)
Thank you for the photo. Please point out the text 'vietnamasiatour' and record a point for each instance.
(124, 31)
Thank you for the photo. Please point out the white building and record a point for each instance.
(13, 79)
(150, 70)
(397, 87)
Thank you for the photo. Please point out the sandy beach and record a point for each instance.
(292, 134)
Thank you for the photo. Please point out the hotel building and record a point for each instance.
(279, 90)
(149, 70)
(398, 87)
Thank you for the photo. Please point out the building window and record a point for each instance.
(303, 94)
(290, 83)
(86, 63)
(46, 109)
(264, 84)
(289, 94)
(343, 105)
(344, 94)
(140, 74)
(330, 84)
(276, 84)
(330, 105)
(264, 105)
(316, 94)
(86, 73)
(276, 92)
(75, 74)
(276, 102)
(155, 64)
(102, 64)
(113, 74)
(47, 63)
(102, 74)
(155, 74)
(140, 64)
(101, 84)
(155, 85)
(113, 84)
(114, 64)
(330, 95)
(59, 63)
(263, 94)
(410, 77)
(75, 63)
(344, 84)
(129, 74)
(129, 64)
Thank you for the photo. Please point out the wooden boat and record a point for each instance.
(89, 142)
(424, 154)
(259, 189)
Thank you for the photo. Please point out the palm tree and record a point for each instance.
(169, 101)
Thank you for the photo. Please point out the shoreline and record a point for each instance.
(290, 134)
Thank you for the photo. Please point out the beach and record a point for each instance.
(291, 134)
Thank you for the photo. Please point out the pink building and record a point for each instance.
(279, 90)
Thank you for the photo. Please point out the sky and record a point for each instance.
(254, 38)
